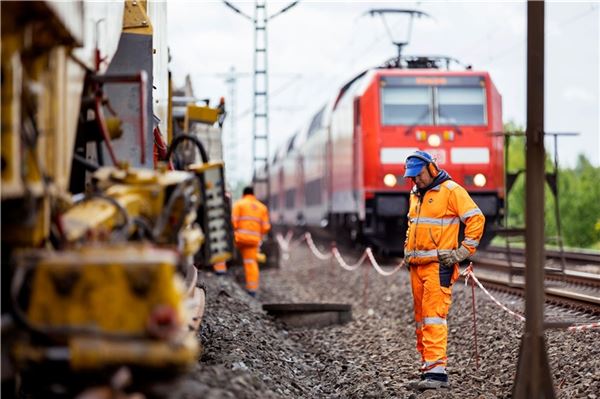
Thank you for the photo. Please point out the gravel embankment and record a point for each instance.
(249, 355)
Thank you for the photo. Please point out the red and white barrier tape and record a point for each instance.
(342, 262)
(314, 249)
(336, 254)
(286, 243)
(468, 273)
(584, 327)
(378, 268)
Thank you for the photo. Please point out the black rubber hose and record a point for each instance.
(182, 137)
(92, 167)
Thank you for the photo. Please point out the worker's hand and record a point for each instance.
(448, 259)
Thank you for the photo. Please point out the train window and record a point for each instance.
(291, 143)
(406, 105)
(290, 196)
(461, 106)
(312, 192)
(315, 124)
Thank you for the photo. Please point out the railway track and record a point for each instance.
(571, 289)
(571, 257)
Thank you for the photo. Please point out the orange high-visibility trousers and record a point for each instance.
(220, 267)
(432, 295)
(249, 255)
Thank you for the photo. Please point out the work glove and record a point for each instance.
(406, 259)
(448, 259)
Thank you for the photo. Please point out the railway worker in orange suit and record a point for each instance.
(250, 219)
(432, 252)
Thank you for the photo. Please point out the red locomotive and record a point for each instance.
(344, 170)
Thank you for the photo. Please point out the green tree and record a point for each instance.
(516, 164)
(579, 191)
(579, 196)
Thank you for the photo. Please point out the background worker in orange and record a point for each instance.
(250, 222)
(437, 207)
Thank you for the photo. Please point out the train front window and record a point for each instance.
(407, 106)
(460, 106)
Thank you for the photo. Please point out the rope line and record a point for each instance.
(378, 268)
(286, 243)
(581, 327)
(314, 249)
(342, 262)
(468, 273)
(335, 253)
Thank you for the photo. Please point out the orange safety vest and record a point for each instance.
(250, 219)
(434, 220)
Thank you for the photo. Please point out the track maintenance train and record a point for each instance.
(100, 242)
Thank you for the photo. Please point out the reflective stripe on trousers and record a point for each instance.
(433, 367)
(250, 232)
(249, 254)
(431, 304)
(220, 267)
(251, 218)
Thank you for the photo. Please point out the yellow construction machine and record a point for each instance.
(98, 258)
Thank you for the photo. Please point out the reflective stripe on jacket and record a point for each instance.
(434, 220)
(250, 219)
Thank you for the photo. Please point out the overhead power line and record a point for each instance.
(260, 106)
(237, 10)
(284, 9)
(501, 54)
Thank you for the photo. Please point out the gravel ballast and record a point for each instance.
(248, 354)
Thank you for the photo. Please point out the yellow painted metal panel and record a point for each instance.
(135, 18)
(111, 289)
(195, 113)
(91, 353)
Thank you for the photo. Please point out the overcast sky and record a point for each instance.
(318, 45)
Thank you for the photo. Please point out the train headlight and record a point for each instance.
(434, 140)
(479, 180)
(390, 180)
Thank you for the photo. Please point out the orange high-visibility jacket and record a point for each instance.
(250, 219)
(434, 220)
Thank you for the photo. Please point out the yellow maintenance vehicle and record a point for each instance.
(100, 240)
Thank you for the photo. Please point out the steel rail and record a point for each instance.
(553, 274)
(589, 257)
(566, 297)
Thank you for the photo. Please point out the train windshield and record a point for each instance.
(407, 106)
(461, 106)
(447, 100)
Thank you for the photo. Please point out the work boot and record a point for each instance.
(430, 381)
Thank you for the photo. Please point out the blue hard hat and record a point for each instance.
(415, 162)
